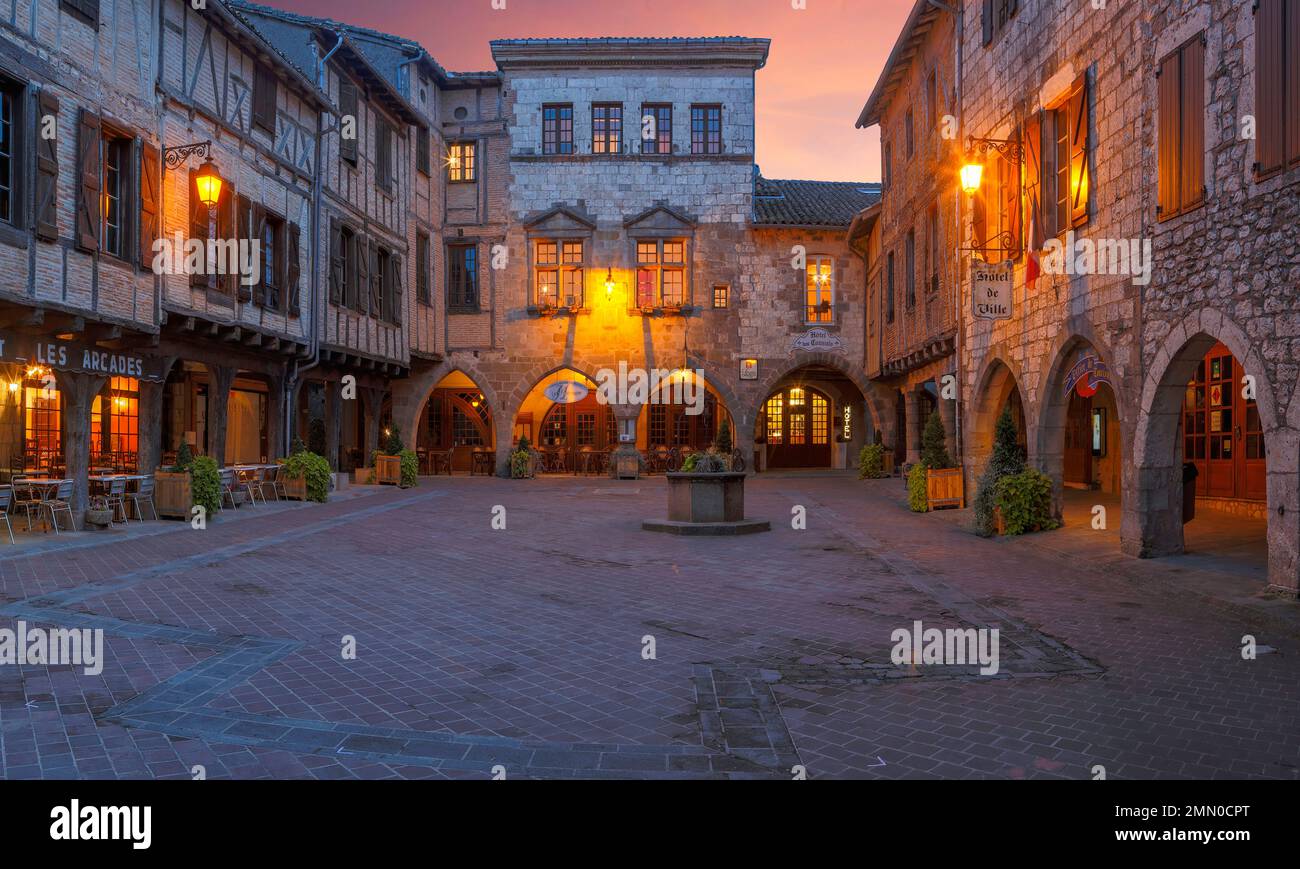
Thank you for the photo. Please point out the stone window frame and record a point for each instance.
(611, 141)
(721, 296)
(660, 267)
(655, 147)
(995, 19)
(812, 314)
(560, 142)
(561, 266)
(704, 141)
(541, 235)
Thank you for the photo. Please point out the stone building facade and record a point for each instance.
(1135, 126)
(912, 337)
(653, 243)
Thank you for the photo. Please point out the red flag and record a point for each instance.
(1032, 268)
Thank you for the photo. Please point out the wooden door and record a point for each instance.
(797, 426)
(1222, 432)
(1078, 440)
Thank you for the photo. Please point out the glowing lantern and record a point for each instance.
(971, 176)
(208, 180)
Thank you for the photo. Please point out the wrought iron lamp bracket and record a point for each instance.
(176, 157)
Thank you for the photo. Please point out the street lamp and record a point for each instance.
(208, 179)
(609, 283)
(972, 173)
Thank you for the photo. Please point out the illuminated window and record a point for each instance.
(607, 128)
(461, 162)
(656, 128)
(43, 433)
(775, 419)
(821, 419)
(721, 295)
(661, 274)
(558, 273)
(820, 290)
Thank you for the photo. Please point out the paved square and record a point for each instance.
(522, 648)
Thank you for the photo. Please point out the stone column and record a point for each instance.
(151, 419)
(742, 438)
(914, 426)
(626, 415)
(77, 394)
(372, 398)
(333, 423)
(220, 378)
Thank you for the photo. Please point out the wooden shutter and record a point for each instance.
(396, 305)
(88, 10)
(979, 230)
(149, 202)
(422, 148)
(361, 291)
(1292, 109)
(244, 230)
(376, 281)
(264, 99)
(1080, 182)
(1170, 132)
(1033, 179)
(88, 186)
(1270, 137)
(227, 230)
(293, 271)
(47, 170)
(336, 262)
(259, 231)
(1011, 209)
(987, 20)
(348, 107)
(198, 230)
(1192, 110)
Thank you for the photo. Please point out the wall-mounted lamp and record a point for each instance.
(609, 283)
(972, 173)
(208, 179)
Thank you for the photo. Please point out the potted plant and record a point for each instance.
(172, 488)
(99, 515)
(306, 477)
(871, 462)
(1006, 461)
(943, 481)
(388, 461)
(1024, 503)
(523, 462)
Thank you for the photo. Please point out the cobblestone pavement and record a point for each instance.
(522, 649)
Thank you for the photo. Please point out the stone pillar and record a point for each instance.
(220, 378)
(151, 419)
(276, 445)
(626, 416)
(742, 438)
(77, 394)
(915, 425)
(333, 423)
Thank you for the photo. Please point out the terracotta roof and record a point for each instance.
(811, 203)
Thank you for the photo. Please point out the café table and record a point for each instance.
(43, 490)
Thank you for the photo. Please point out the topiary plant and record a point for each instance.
(723, 443)
(1005, 462)
(316, 440)
(918, 496)
(521, 461)
(871, 462)
(205, 484)
(1025, 502)
(314, 469)
(393, 445)
(934, 444)
(184, 458)
(410, 468)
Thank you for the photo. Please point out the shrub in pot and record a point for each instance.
(871, 462)
(1024, 502)
(521, 461)
(311, 472)
(918, 496)
(410, 469)
(1006, 461)
(205, 484)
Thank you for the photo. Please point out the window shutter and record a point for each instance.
(1270, 147)
(1170, 132)
(1033, 179)
(47, 170)
(259, 231)
(227, 217)
(1192, 110)
(987, 19)
(88, 139)
(422, 149)
(264, 99)
(1011, 208)
(336, 262)
(1292, 109)
(1080, 183)
(979, 228)
(359, 293)
(293, 271)
(376, 281)
(149, 229)
(198, 230)
(396, 306)
(243, 229)
(348, 107)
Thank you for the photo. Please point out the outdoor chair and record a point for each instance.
(6, 501)
(250, 483)
(273, 479)
(26, 499)
(61, 503)
(227, 476)
(117, 497)
(143, 495)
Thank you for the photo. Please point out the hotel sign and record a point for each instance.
(77, 356)
(991, 290)
(818, 340)
(566, 392)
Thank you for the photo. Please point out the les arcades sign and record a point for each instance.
(77, 356)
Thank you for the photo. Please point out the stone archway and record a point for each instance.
(412, 395)
(879, 399)
(1153, 495)
(999, 382)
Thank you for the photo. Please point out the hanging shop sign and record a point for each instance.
(1088, 373)
(566, 392)
(77, 356)
(991, 290)
(818, 340)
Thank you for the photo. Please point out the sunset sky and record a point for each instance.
(823, 63)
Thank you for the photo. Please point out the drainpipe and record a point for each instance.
(291, 382)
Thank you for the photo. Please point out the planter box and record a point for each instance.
(388, 470)
(295, 490)
(361, 476)
(171, 494)
(945, 488)
(706, 497)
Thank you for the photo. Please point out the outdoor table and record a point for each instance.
(44, 490)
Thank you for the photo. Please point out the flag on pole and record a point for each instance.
(1032, 267)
